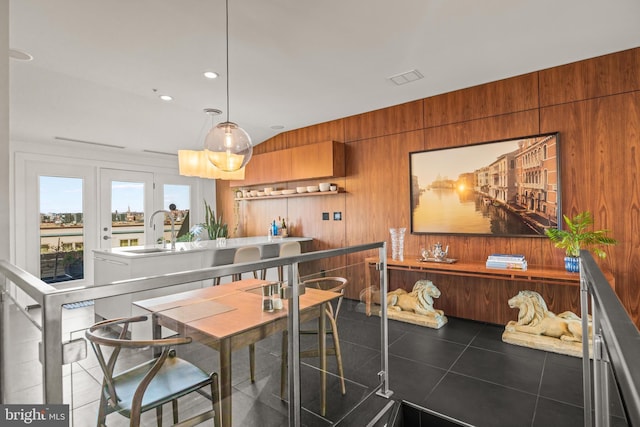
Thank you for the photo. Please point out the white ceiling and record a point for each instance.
(292, 62)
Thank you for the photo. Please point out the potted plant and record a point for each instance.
(576, 237)
(215, 227)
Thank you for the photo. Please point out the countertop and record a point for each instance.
(204, 245)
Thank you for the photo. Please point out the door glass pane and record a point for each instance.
(127, 213)
(178, 195)
(61, 229)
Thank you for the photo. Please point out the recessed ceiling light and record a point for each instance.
(277, 127)
(166, 97)
(212, 111)
(211, 74)
(20, 55)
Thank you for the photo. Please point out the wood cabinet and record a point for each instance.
(273, 166)
(321, 160)
(312, 161)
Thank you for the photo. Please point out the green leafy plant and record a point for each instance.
(576, 236)
(215, 227)
(72, 256)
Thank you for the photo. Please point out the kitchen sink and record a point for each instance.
(147, 251)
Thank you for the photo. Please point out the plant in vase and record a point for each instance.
(576, 237)
(215, 227)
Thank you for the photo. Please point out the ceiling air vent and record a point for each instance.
(406, 77)
(164, 153)
(80, 141)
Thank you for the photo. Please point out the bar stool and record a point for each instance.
(246, 254)
(331, 284)
(288, 249)
(221, 257)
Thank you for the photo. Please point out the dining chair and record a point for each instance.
(332, 284)
(161, 379)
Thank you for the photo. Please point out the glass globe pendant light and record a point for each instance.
(227, 145)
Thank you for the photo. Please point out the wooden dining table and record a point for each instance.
(230, 317)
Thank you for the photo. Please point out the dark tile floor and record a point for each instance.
(462, 370)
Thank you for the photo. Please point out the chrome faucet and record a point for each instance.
(173, 228)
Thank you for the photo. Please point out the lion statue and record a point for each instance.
(535, 318)
(419, 300)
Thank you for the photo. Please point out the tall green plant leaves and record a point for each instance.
(215, 227)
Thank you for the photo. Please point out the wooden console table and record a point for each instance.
(534, 274)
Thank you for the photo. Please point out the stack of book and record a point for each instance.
(506, 262)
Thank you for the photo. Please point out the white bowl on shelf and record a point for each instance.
(312, 188)
(301, 189)
(268, 190)
(275, 193)
(333, 188)
(261, 193)
(324, 186)
(254, 193)
(288, 191)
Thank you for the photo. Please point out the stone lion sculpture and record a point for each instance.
(419, 300)
(535, 318)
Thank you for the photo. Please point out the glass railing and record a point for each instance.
(37, 317)
(612, 381)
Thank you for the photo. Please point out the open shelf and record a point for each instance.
(282, 196)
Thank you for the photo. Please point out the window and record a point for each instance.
(61, 229)
(127, 211)
(178, 195)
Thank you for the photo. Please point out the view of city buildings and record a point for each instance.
(62, 239)
(62, 233)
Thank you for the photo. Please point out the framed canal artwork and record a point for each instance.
(497, 188)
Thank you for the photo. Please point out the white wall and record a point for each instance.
(5, 173)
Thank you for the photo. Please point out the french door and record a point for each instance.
(64, 210)
(128, 200)
(126, 204)
(56, 214)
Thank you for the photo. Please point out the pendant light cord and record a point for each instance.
(227, 36)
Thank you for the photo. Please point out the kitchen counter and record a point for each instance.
(202, 246)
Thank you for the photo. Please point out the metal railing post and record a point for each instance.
(384, 333)
(293, 360)
(586, 377)
(51, 350)
(600, 382)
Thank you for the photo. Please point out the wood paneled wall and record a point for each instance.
(594, 104)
